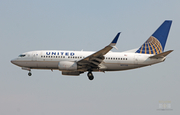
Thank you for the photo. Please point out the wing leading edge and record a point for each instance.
(93, 61)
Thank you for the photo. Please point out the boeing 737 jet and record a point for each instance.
(74, 63)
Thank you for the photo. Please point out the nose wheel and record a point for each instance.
(90, 75)
(29, 73)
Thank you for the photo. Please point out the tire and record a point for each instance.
(90, 76)
(29, 74)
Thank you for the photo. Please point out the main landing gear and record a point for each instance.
(90, 75)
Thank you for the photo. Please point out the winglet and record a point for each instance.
(113, 43)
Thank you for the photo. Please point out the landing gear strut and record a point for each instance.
(90, 75)
(28, 69)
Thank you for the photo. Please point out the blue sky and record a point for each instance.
(88, 25)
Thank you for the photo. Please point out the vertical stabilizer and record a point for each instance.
(156, 43)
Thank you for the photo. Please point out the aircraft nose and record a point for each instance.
(13, 61)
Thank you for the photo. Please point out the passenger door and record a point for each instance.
(136, 59)
(34, 56)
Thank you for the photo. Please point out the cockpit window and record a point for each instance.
(22, 55)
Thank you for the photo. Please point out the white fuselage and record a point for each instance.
(114, 61)
(75, 63)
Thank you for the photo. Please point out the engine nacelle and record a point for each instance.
(71, 73)
(67, 65)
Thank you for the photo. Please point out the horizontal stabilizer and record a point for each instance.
(161, 55)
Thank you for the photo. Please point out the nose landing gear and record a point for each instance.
(28, 69)
(29, 73)
(90, 75)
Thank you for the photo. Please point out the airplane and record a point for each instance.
(74, 63)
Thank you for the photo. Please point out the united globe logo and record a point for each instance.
(151, 46)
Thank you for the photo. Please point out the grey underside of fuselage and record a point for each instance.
(54, 66)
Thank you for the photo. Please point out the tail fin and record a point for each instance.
(156, 43)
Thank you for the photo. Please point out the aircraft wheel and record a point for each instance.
(29, 73)
(90, 76)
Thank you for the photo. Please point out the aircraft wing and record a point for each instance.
(93, 60)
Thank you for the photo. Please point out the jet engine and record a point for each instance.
(71, 73)
(67, 65)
